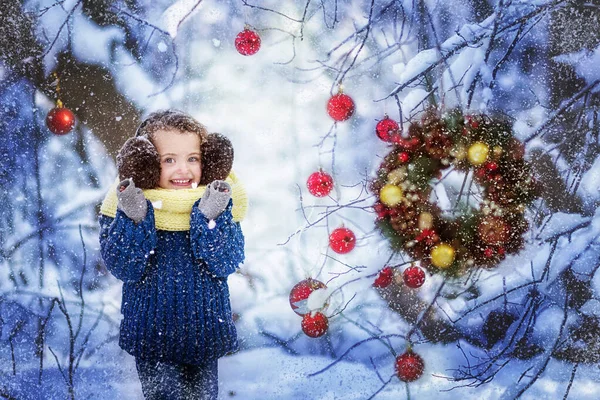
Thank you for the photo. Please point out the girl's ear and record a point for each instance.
(217, 158)
(139, 160)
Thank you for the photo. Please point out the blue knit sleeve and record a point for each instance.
(125, 246)
(222, 247)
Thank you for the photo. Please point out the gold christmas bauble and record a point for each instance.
(478, 153)
(442, 255)
(397, 176)
(391, 195)
(425, 221)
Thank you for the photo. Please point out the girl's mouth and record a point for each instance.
(181, 182)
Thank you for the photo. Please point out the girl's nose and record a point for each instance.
(183, 167)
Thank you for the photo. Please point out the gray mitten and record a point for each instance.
(215, 199)
(131, 200)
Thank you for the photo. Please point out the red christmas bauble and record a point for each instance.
(319, 184)
(472, 121)
(413, 277)
(386, 129)
(342, 240)
(314, 324)
(340, 107)
(403, 157)
(409, 366)
(384, 278)
(247, 42)
(60, 120)
(491, 166)
(300, 292)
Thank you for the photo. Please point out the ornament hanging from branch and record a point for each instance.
(60, 120)
(247, 42)
(300, 293)
(413, 277)
(409, 366)
(342, 240)
(340, 106)
(319, 183)
(384, 278)
(387, 128)
(315, 324)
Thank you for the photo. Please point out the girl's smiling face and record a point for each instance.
(180, 162)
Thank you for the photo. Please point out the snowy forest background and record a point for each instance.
(529, 328)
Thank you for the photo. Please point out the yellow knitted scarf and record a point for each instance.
(172, 207)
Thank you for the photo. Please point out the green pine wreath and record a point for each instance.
(469, 237)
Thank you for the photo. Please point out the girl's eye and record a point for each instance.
(194, 159)
(169, 160)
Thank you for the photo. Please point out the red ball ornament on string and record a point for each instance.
(60, 120)
(403, 157)
(340, 107)
(315, 324)
(386, 129)
(300, 292)
(413, 277)
(409, 366)
(384, 278)
(247, 42)
(342, 240)
(319, 184)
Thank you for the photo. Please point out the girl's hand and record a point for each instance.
(131, 200)
(215, 199)
(221, 186)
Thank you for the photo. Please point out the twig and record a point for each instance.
(381, 388)
(60, 29)
(164, 33)
(355, 345)
(571, 380)
(567, 104)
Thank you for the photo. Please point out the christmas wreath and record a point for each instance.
(491, 159)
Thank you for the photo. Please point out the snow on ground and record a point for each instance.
(271, 374)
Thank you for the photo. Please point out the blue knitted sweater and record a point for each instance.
(175, 302)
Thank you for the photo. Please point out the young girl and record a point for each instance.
(173, 246)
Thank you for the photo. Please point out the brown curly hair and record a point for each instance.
(171, 120)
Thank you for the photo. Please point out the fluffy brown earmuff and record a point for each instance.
(139, 160)
(217, 158)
